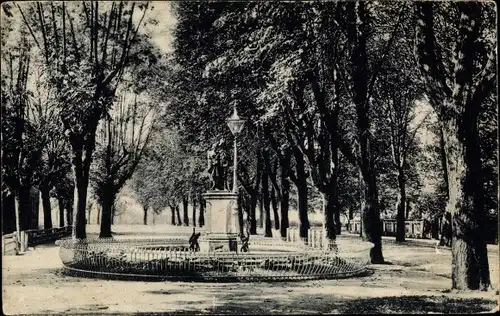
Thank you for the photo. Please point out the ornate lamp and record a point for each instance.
(236, 126)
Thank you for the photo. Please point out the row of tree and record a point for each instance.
(334, 92)
(73, 110)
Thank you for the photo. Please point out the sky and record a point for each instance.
(161, 33)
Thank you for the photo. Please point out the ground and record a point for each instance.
(418, 280)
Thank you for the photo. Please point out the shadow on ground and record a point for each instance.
(323, 304)
(42, 277)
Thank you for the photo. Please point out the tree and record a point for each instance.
(398, 103)
(55, 160)
(456, 53)
(146, 187)
(282, 188)
(271, 45)
(265, 196)
(433, 165)
(121, 140)
(143, 193)
(185, 213)
(85, 50)
(64, 193)
(167, 173)
(371, 31)
(23, 138)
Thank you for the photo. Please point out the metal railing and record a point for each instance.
(169, 259)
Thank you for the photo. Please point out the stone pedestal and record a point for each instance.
(221, 222)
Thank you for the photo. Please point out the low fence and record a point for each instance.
(413, 229)
(37, 237)
(14, 243)
(170, 259)
(315, 237)
(10, 245)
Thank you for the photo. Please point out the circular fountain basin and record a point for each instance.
(170, 259)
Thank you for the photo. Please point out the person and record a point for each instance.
(193, 241)
(245, 235)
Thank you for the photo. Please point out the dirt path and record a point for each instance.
(417, 281)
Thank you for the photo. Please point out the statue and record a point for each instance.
(217, 166)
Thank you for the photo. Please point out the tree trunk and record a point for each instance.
(445, 230)
(400, 227)
(241, 209)
(34, 207)
(331, 208)
(172, 208)
(47, 209)
(445, 233)
(107, 216)
(69, 215)
(261, 210)
(194, 211)
(372, 225)
(253, 208)
(274, 204)
(332, 205)
(8, 213)
(338, 223)
(185, 211)
(435, 227)
(98, 215)
(79, 225)
(361, 204)
(113, 214)
(178, 212)
(89, 213)
(284, 204)
(69, 205)
(268, 232)
(335, 196)
(25, 209)
(60, 203)
(145, 217)
(302, 210)
(248, 208)
(357, 32)
(470, 268)
(285, 195)
(201, 218)
(302, 195)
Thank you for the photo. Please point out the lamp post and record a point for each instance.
(236, 126)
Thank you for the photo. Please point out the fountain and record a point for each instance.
(221, 256)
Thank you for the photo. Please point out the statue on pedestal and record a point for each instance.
(217, 166)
